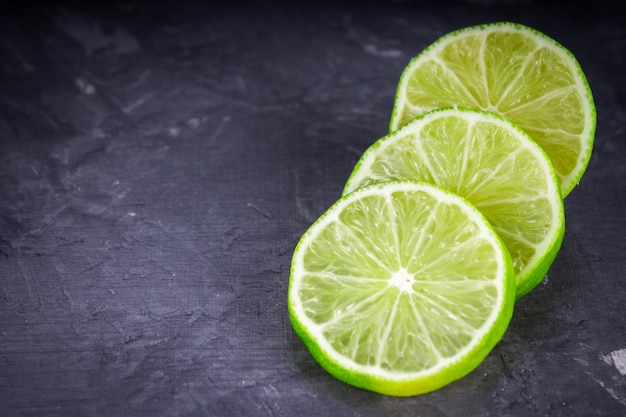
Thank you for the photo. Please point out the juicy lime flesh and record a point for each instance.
(518, 73)
(481, 159)
(402, 283)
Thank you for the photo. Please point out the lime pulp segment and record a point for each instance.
(490, 162)
(401, 288)
(512, 70)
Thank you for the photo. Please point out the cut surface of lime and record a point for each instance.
(512, 70)
(490, 162)
(400, 288)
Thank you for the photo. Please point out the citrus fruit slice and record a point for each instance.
(400, 288)
(513, 70)
(490, 162)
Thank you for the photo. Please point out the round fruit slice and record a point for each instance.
(512, 70)
(401, 288)
(490, 162)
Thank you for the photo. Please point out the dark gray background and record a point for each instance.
(160, 160)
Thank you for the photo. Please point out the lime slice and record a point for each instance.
(401, 288)
(490, 162)
(515, 71)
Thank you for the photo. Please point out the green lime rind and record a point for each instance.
(389, 159)
(570, 161)
(397, 382)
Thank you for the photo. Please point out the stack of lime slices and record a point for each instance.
(409, 280)
(490, 162)
(512, 70)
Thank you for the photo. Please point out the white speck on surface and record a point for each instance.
(85, 86)
(193, 123)
(370, 48)
(618, 359)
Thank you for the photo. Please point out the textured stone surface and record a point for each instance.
(159, 162)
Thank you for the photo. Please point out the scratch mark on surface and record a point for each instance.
(68, 296)
(218, 130)
(372, 49)
(49, 219)
(78, 152)
(300, 207)
(7, 361)
(98, 209)
(230, 237)
(264, 213)
(613, 393)
(27, 66)
(28, 278)
(135, 104)
(89, 268)
(118, 197)
(142, 77)
(161, 316)
(132, 339)
(95, 309)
